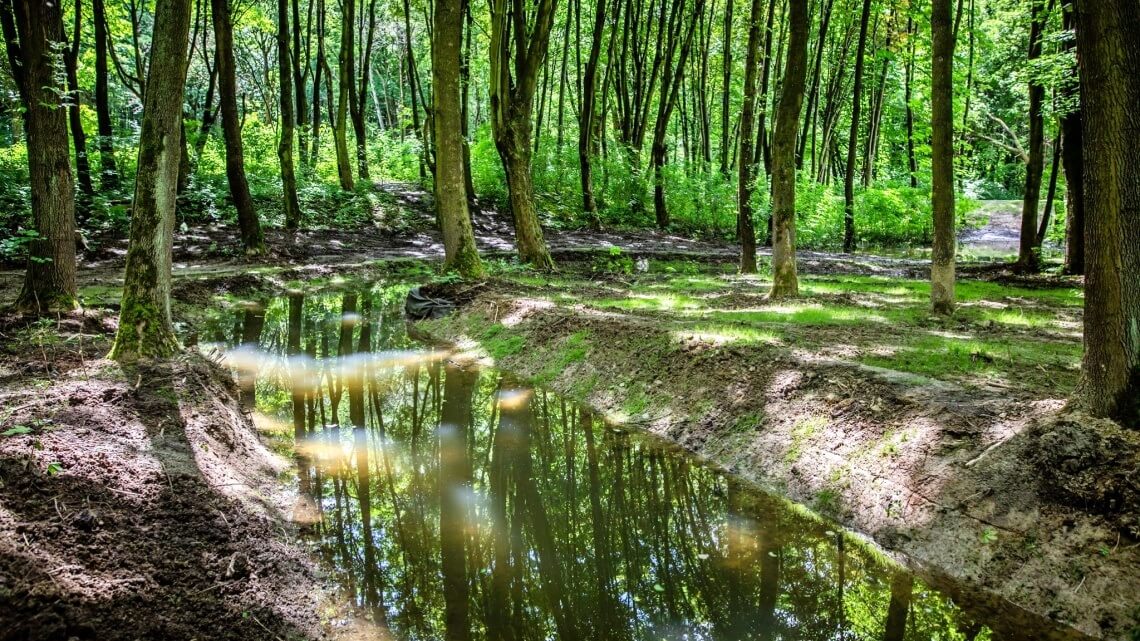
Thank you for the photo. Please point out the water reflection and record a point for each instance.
(456, 503)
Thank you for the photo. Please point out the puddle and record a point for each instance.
(454, 502)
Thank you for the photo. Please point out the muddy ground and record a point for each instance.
(132, 510)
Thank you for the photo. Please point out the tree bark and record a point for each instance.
(286, 117)
(346, 76)
(912, 159)
(1029, 256)
(515, 59)
(450, 188)
(942, 158)
(251, 237)
(109, 177)
(78, 136)
(145, 328)
(1109, 55)
(587, 114)
(784, 280)
(853, 137)
(726, 89)
(745, 226)
(49, 283)
(1072, 159)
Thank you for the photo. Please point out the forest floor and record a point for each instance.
(144, 505)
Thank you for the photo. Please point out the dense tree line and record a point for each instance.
(521, 75)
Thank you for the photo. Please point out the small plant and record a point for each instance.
(988, 535)
(614, 262)
(53, 468)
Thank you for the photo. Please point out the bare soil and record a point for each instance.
(138, 503)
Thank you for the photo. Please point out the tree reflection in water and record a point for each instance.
(456, 503)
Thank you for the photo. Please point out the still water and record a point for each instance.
(452, 502)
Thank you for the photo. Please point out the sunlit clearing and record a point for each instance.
(514, 399)
(724, 335)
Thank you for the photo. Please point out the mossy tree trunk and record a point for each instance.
(1108, 53)
(145, 328)
(515, 61)
(784, 280)
(745, 227)
(49, 283)
(450, 187)
(251, 237)
(288, 125)
(942, 158)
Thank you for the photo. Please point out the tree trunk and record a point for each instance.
(784, 280)
(515, 59)
(726, 89)
(318, 80)
(1109, 55)
(587, 114)
(78, 136)
(745, 226)
(813, 93)
(450, 188)
(902, 584)
(912, 159)
(251, 237)
(285, 144)
(49, 284)
(145, 328)
(412, 78)
(109, 177)
(1028, 256)
(347, 60)
(465, 104)
(942, 158)
(454, 467)
(1050, 194)
(853, 138)
(1072, 158)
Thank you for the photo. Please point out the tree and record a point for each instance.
(78, 136)
(346, 78)
(450, 186)
(1028, 255)
(942, 158)
(517, 51)
(1072, 161)
(145, 328)
(251, 237)
(285, 144)
(784, 281)
(1109, 54)
(745, 226)
(109, 179)
(49, 283)
(588, 114)
(853, 138)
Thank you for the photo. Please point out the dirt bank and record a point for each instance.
(985, 483)
(138, 503)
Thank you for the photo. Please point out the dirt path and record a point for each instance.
(1001, 233)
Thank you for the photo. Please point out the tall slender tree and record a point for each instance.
(29, 25)
(853, 137)
(251, 237)
(450, 187)
(745, 226)
(109, 170)
(1028, 254)
(346, 77)
(287, 120)
(145, 328)
(1109, 55)
(587, 114)
(517, 51)
(942, 158)
(785, 283)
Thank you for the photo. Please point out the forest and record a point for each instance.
(533, 319)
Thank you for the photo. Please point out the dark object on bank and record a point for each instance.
(419, 306)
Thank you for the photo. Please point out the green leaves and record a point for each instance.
(16, 431)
